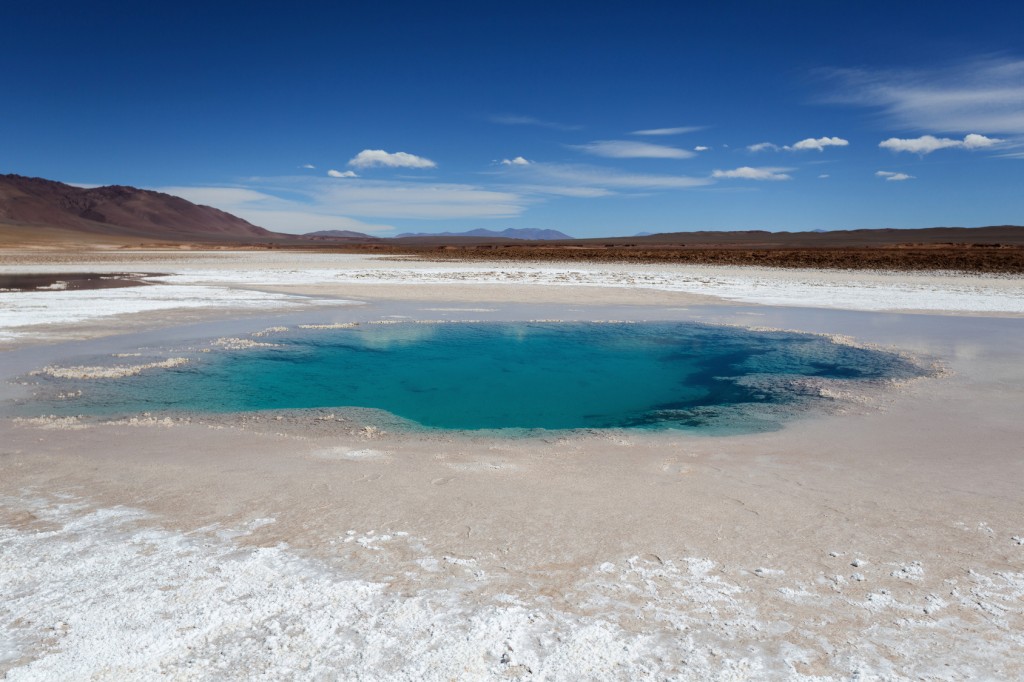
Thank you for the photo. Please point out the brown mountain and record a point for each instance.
(31, 205)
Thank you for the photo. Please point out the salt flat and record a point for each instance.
(881, 540)
(259, 281)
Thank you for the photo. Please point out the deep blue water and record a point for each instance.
(510, 375)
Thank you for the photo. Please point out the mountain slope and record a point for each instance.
(117, 210)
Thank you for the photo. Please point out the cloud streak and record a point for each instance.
(629, 149)
(268, 210)
(303, 203)
(518, 120)
(602, 181)
(748, 173)
(370, 158)
(681, 130)
(341, 174)
(890, 176)
(981, 94)
(926, 144)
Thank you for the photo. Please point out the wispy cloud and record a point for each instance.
(305, 203)
(419, 200)
(368, 158)
(308, 166)
(341, 174)
(981, 94)
(274, 212)
(218, 197)
(824, 176)
(517, 161)
(810, 143)
(681, 130)
(893, 177)
(926, 144)
(629, 149)
(748, 173)
(701, 148)
(606, 179)
(518, 120)
(581, 192)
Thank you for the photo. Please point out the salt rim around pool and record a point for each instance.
(708, 379)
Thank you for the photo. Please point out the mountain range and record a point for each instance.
(531, 234)
(39, 211)
(338, 234)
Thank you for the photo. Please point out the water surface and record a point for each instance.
(512, 375)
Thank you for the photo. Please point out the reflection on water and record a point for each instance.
(73, 281)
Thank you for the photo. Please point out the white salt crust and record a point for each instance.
(228, 288)
(30, 308)
(807, 288)
(106, 594)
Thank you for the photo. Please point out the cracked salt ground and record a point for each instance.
(106, 594)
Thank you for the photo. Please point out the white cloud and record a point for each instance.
(341, 174)
(701, 148)
(824, 176)
(626, 149)
(748, 173)
(518, 161)
(926, 144)
(819, 143)
(517, 120)
(368, 158)
(816, 143)
(308, 166)
(975, 141)
(668, 131)
(894, 177)
(981, 94)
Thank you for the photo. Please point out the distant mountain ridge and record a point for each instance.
(118, 211)
(338, 234)
(527, 233)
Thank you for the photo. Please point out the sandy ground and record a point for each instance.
(883, 540)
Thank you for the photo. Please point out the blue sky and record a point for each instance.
(594, 119)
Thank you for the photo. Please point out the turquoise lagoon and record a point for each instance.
(472, 376)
